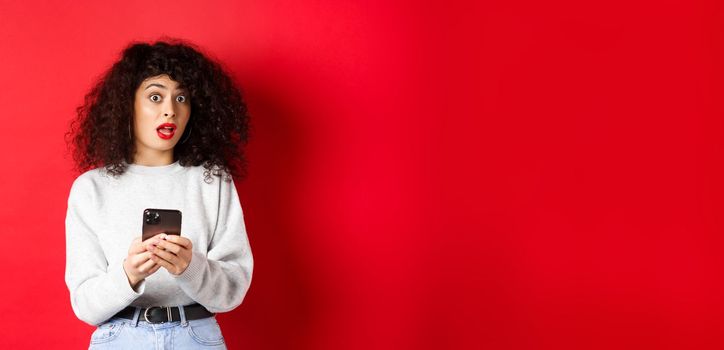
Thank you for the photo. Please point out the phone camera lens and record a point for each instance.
(151, 217)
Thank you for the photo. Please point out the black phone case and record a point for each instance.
(156, 221)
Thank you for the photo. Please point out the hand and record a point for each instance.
(138, 264)
(172, 252)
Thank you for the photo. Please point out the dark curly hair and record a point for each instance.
(219, 121)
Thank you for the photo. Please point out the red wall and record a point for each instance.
(507, 175)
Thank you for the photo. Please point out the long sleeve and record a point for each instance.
(220, 277)
(98, 289)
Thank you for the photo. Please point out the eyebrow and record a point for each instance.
(162, 87)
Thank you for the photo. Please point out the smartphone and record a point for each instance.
(156, 221)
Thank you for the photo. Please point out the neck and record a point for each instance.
(154, 158)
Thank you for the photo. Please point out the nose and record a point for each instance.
(169, 110)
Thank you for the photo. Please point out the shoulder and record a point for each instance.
(90, 182)
(209, 177)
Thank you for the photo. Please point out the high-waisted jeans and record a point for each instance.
(137, 334)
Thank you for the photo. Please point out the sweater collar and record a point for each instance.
(154, 170)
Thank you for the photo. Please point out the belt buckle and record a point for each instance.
(168, 313)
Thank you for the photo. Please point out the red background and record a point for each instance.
(506, 175)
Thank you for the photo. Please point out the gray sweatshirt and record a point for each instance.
(105, 214)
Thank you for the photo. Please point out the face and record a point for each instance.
(160, 114)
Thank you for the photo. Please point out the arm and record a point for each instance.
(219, 279)
(97, 289)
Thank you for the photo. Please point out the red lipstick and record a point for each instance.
(166, 130)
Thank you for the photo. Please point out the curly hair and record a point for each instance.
(100, 134)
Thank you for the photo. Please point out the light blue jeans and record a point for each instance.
(137, 334)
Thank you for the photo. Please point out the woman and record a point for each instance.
(160, 129)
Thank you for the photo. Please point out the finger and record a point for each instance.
(151, 242)
(161, 262)
(169, 246)
(146, 266)
(136, 249)
(138, 259)
(136, 246)
(159, 235)
(155, 238)
(170, 257)
(182, 241)
(154, 268)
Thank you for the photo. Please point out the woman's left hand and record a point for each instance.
(172, 252)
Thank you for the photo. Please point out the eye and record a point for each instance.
(155, 100)
(181, 98)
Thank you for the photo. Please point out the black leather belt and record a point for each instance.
(161, 314)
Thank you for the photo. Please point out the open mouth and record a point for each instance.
(166, 131)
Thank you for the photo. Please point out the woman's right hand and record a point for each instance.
(138, 264)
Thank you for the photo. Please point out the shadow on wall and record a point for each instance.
(277, 312)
